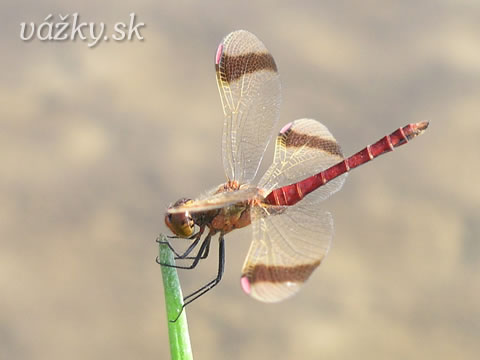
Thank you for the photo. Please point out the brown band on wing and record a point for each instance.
(278, 274)
(296, 140)
(233, 67)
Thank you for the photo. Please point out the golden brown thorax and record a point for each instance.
(223, 220)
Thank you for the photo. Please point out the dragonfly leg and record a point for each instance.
(166, 242)
(210, 285)
(196, 259)
(195, 236)
(189, 250)
(169, 246)
(206, 251)
(178, 237)
(203, 256)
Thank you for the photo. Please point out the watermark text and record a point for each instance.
(69, 27)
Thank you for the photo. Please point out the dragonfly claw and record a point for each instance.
(178, 316)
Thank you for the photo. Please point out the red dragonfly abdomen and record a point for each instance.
(293, 193)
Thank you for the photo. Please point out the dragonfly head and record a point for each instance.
(181, 223)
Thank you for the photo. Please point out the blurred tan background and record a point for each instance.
(95, 144)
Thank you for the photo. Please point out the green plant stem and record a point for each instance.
(180, 348)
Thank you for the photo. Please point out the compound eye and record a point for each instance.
(181, 223)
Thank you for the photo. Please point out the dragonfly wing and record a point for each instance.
(249, 87)
(289, 243)
(216, 200)
(303, 148)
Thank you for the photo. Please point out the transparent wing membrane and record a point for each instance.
(303, 148)
(249, 87)
(289, 243)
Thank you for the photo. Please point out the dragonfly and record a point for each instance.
(290, 229)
